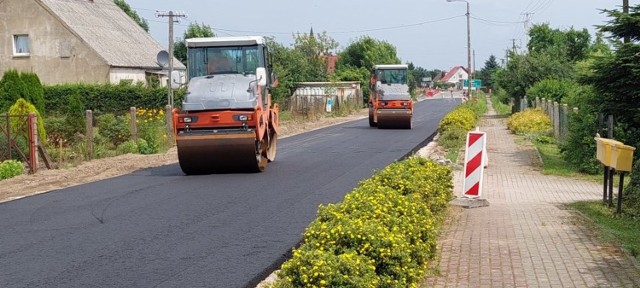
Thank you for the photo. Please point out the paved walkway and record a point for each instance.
(526, 237)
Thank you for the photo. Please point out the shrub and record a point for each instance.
(579, 149)
(143, 147)
(551, 89)
(530, 121)
(56, 130)
(382, 235)
(108, 98)
(151, 128)
(462, 117)
(128, 146)
(631, 200)
(327, 270)
(75, 117)
(113, 128)
(10, 168)
(19, 125)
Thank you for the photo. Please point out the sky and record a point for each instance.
(428, 33)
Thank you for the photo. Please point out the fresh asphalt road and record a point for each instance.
(158, 228)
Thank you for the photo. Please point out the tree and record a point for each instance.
(194, 30)
(572, 44)
(523, 71)
(614, 78)
(360, 57)
(34, 93)
(12, 88)
(615, 75)
(366, 52)
(314, 48)
(132, 13)
(490, 66)
(304, 61)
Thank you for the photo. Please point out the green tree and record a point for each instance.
(132, 13)
(194, 30)
(12, 88)
(305, 61)
(360, 57)
(366, 52)
(615, 75)
(34, 93)
(523, 71)
(490, 66)
(314, 48)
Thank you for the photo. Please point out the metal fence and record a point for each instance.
(315, 99)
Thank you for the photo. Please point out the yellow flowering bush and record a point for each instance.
(454, 126)
(530, 121)
(382, 235)
(462, 117)
(151, 129)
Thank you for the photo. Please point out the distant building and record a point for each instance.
(332, 60)
(77, 41)
(456, 76)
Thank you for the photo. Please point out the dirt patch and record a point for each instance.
(46, 180)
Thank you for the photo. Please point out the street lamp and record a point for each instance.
(468, 43)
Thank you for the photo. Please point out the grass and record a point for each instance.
(617, 229)
(620, 230)
(499, 107)
(554, 164)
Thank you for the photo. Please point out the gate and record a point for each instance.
(19, 140)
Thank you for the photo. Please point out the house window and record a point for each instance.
(21, 45)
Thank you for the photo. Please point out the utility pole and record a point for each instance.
(514, 47)
(527, 18)
(171, 15)
(470, 78)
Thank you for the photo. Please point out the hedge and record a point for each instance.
(382, 235)
(108, 98)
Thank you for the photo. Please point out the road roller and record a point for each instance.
(227, 122)
(390, 104)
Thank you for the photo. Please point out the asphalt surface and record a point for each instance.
(159, 228)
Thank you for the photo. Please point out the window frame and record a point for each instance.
(15, 47)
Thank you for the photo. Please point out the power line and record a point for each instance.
(497, 23)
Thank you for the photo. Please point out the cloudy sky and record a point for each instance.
(430, 33)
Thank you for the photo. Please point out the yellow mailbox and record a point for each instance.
(622, 157)
(603, 150)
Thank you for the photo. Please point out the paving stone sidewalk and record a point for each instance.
(526, 237)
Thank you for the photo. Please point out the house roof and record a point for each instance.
(452, 72)
(110, 32)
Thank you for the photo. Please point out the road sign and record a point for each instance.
(475, 83)
(474, 162)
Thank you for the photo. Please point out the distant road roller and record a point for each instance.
(227, 122)
(390, 104)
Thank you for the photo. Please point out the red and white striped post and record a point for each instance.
(474, 162)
